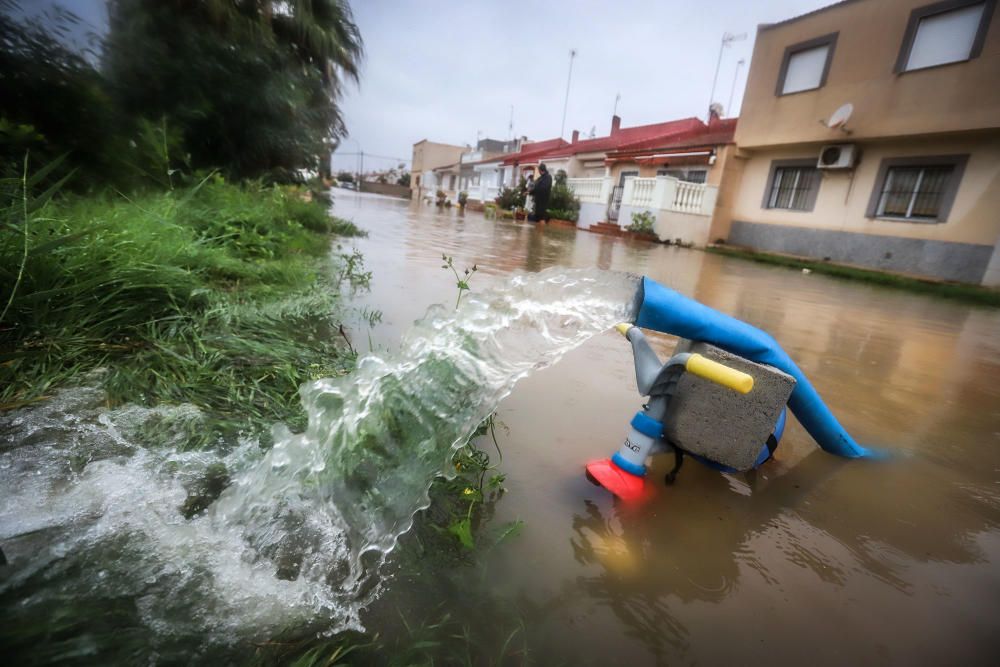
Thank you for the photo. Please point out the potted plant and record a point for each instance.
(642, 226)
(441, 196)
(463, 197)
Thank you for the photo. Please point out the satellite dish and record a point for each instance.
(840, 117)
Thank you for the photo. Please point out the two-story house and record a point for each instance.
(870, 135)
(427, 157)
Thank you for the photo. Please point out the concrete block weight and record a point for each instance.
(720, 424)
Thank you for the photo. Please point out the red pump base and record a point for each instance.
(625, 485)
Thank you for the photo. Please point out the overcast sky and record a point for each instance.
(450, 70)
(444, 70)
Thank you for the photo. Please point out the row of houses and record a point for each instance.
(869, 135)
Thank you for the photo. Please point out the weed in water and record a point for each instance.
(461, 281)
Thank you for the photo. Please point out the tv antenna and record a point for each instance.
(562, 128)
(727, 39)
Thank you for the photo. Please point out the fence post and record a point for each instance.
(708, 198)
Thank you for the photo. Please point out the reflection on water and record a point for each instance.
(872, 562)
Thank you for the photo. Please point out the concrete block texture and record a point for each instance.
(718, 423)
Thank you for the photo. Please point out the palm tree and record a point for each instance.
(253, 85)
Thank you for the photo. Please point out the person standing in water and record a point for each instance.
(540, 193)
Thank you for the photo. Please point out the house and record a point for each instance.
(870, 135)
(480, 171)
(672, 170)
(526, 160)
(586, 158)
(429, 156)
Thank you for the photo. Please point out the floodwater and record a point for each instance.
(811, 559)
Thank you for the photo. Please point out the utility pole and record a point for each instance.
(727, 39)
(562, 128)
(729, 108)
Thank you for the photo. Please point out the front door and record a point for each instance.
(617, 192)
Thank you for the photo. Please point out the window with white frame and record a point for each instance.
(792, 186)
(916, 189)
(946, 32)
(805, 65)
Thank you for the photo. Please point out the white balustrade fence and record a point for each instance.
(642, 191)
(586, 189)
(688, 197)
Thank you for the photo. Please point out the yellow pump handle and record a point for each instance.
(623, 328)
(719, 373)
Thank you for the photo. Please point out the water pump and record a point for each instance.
(624, 473)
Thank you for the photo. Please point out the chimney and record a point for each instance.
(616, 123)
(714, 113)
(576, 136)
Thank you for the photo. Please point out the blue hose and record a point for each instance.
(665, 310)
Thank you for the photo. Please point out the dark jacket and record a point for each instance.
(540, 193)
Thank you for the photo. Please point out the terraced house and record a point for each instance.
(870, 135)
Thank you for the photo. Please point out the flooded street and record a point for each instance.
(877, 563)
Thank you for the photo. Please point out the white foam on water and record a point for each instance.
(297, 539)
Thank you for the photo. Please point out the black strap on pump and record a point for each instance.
(678, 462)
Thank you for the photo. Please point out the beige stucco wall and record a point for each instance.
(957, 96)
(427, 155)
(726, 174)
(843, 196)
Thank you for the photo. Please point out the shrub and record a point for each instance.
(463, 197)
(512, 198)
(560, 214)
(642, 222)
(563, 203)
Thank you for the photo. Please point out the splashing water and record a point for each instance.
(91, 513)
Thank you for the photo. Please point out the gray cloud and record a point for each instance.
(445, 70)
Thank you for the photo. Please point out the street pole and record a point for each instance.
(562, 128)
(727, 39)
(732, 91)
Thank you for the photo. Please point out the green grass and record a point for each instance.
(218, 295)
(968, 293)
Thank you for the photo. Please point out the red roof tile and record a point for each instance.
(628, 135)
(715, 133)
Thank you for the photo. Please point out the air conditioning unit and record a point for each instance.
(837, 156)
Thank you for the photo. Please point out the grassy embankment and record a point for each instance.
(968, 293)
(218, 295)
(222, 296)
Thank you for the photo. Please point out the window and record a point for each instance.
(793, 185)
(916, 189)
(689, 175)
(947, 32)
(805, 65)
